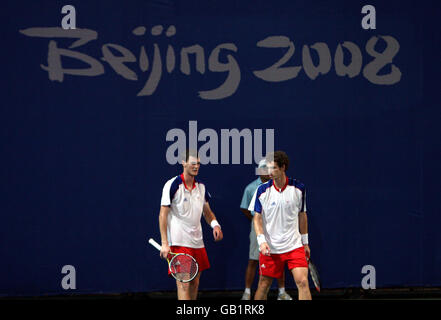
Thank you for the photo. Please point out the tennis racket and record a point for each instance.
(183, 267)
(314, 275)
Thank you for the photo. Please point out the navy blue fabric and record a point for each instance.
(261, 189)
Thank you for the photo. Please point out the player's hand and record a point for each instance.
(307, 251)
(265, 249)
(165, 250)
(217, 233)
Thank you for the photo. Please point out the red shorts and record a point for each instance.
(273, 265)
(199, 254)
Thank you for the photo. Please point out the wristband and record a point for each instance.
(304, 238)
(214, 223)
(261, 239)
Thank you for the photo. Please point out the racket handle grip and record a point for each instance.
(155, 244)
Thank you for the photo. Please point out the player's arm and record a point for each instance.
(258, 227)
(163, 214)
(256, 206)
(303, 228)
(303, 225)
(258, 223)
(210, 218)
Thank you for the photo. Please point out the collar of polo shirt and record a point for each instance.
(283, 188)
(183, 180)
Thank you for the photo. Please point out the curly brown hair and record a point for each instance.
(279, 157)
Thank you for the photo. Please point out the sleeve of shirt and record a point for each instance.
(255, 204)
(166, 198)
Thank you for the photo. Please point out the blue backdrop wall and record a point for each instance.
(84, 135)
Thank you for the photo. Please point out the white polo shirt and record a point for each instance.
(186, 206)
(280, 213)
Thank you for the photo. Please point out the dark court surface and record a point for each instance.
(231, 296)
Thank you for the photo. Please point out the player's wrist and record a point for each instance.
(305, 239)
(214, 223)
(261, 239)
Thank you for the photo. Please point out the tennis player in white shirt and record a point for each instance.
(184, 200)
(281, 227)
